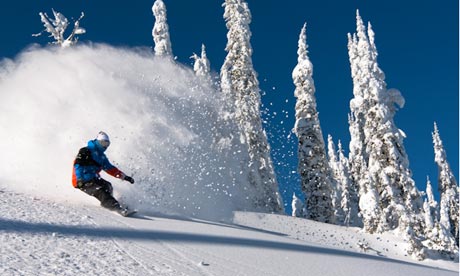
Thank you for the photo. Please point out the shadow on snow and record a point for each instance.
(22, 227)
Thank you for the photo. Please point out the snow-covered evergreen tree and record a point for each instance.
(298, 208)
(201, 65)
(358, 50)
(349, 203)
(448, 188)
(160, 31)
(388, 164)
(430, 207)
(336, 185)
(387, 180)
(346, 211)
(241, 88)
(313, 165)
(56, 28)
(438, 237)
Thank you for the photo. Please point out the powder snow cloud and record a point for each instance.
(159, 116)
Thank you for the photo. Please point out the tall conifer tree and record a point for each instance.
(387, 183)
(313, 165)
(358, 51)
(448, 188)
(241, 88)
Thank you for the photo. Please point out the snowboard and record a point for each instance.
(126, 212)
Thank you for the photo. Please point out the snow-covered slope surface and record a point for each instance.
(43, 237)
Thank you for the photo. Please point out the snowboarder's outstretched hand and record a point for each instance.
(129, 179)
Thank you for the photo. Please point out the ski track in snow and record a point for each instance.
(157, 258)
(55, 253)
(44, 237)
(193, 259)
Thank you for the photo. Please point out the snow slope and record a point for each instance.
(44, 237)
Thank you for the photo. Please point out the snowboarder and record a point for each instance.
(89, 162)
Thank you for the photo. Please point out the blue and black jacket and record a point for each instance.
(89, 162)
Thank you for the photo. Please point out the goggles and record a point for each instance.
(104, 143)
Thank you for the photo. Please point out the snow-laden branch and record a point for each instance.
(56, 28)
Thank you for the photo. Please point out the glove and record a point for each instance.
(129, 179)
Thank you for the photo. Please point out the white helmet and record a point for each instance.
(103, 139)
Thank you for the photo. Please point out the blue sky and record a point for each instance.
(417, 43)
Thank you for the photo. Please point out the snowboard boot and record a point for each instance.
(123, 211)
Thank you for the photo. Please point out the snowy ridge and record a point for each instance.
(41, 236)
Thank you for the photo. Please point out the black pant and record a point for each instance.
(102, 190)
